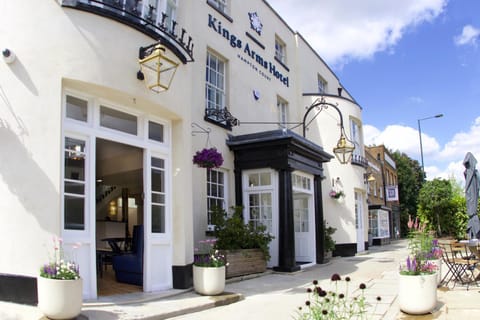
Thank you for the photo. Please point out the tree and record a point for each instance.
(410, 180)
(441, 205)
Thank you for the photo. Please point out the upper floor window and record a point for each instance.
(220, 5)
(355, 136)
(282, 112)
(322, 85)
(215, 85)
(280, 50)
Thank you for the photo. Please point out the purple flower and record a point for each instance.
(208, 158)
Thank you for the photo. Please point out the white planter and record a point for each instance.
(438, 263)
(417, 294)
(209, 281)
(59, 299)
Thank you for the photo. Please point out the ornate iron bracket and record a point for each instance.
(222, 115)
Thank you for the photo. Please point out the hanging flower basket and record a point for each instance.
(336, 194)
(208, 158)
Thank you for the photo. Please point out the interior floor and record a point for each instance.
(108, 286)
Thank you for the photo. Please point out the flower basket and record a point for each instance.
(336, 194)
(208, 158)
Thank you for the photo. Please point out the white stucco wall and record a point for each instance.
(59, 48)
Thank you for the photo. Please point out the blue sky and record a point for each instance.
(403, 61)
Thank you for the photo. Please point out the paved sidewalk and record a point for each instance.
(275, 295)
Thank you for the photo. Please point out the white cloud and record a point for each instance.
(402, 138)
(463, 142)
(439, 163)
(342, 30)
(469, 36)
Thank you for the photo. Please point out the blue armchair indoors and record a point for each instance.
(129, 267)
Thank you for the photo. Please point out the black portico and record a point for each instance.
(283, 151)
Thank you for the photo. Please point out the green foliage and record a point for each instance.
(441, 205)
(458, 225)
(410, 180)
(329, 242)
(232, 233)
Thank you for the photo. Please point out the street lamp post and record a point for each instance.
(420, 136)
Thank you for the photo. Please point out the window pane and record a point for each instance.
(158, 219)
(73, 187)
(265, 179)
(158, 163)
(74, 167)
(158, 198)
(254, 200)
(74, 159)
(253, 180)
(77, 109)
(158, 180)
(118, 120)
(155, 131)
(74, 217)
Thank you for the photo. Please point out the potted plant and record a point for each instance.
(246, 246)
(417, 293)
(329, 242)
(208, 158)
(59, 286)
(208, 269)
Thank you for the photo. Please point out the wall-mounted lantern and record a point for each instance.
(368, 177)
(156, 69)
(344, 149)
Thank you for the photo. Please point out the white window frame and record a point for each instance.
(280, 50)
(322, 84)
(356, 137)
(282, 106)
(222, 200)
(221, 5)
(259, 190)
(216, 86)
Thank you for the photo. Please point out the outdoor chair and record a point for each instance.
(461, 264)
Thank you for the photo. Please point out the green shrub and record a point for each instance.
(329, 242)
(232, 233)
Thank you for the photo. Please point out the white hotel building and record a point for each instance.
(89, 150)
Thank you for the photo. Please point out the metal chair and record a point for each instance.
(460, 263)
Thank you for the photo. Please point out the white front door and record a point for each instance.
(303, 228)
(303, 217)
(359, 225)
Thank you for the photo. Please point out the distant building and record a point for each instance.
(383, 198)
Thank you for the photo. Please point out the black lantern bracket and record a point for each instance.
(344, 149)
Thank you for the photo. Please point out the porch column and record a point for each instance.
(319, 230)
(286, 231)
(238, 187)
